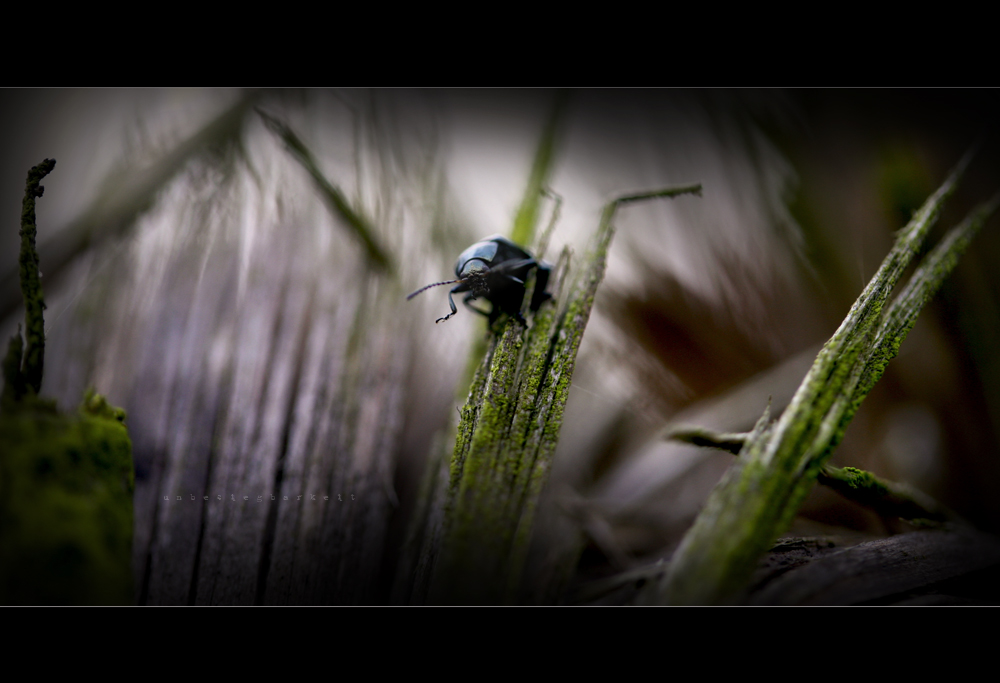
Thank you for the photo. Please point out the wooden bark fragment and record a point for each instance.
(883, 568)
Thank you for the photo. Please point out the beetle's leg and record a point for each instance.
(499, 308)
(469, 297)
(454, 290)
(540, 296)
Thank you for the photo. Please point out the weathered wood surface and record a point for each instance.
(876, 570)
(284, 411)
(264, 376)
(946, 566)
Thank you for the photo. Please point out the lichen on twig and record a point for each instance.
(887, 498)
(24, 375)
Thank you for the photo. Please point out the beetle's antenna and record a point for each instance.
(449, 282)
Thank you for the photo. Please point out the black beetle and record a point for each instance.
(495, 268)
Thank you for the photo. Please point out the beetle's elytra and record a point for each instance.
(495, 269)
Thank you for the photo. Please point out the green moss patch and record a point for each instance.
(66, 483)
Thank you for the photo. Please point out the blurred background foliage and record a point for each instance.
(201, 270)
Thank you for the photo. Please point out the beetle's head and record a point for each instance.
(475, 273)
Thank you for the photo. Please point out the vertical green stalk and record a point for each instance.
(508, 434)
(31, 285)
